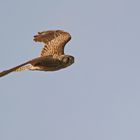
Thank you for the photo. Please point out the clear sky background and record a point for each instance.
(98, 97)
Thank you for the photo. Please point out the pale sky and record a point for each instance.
(98, 97)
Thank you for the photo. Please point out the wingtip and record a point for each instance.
(34, 39)
(3, 73)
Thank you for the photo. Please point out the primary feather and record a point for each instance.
(54, 40)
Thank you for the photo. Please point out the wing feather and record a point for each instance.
(55, 41)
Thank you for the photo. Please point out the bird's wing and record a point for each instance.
(5, 72)
(47, 61)
(54, 40)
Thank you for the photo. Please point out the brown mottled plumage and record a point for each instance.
(52, 56)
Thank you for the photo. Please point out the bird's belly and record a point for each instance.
(43, 68)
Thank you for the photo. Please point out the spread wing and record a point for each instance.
(46, 61)
(55, 41)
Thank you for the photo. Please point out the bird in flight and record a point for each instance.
(52, 56)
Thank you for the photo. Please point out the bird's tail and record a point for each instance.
(22, 67)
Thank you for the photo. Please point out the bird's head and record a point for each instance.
(67, 60)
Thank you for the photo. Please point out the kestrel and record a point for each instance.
(52, 57)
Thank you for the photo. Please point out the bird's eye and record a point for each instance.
(66, 59)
